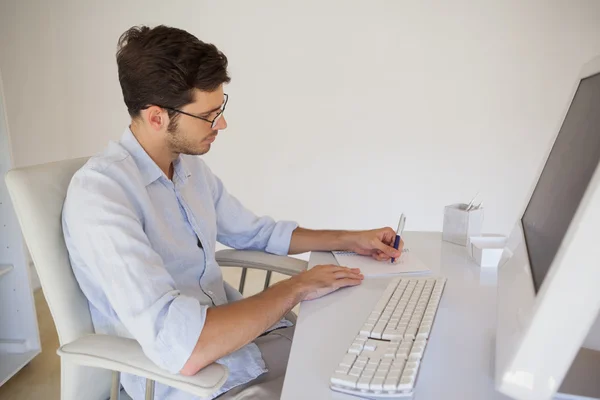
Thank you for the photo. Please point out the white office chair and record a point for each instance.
(87, 359)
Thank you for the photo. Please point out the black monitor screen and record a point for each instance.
(564, 179)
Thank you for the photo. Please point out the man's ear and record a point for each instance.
(156, 117)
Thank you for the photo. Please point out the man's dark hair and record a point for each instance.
(161, 66)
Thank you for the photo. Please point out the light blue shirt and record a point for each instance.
(142, 248)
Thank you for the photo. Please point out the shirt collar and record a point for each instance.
(180, 169)
(148, 168)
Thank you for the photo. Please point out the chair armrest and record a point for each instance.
(260, 260)
(125, 355)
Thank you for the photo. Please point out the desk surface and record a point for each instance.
(459, 358)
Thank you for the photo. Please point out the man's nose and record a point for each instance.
(221, 124)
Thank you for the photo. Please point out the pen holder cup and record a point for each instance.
(460, 224)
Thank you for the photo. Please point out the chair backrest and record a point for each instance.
(38, 194)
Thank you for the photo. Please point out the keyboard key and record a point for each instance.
(416, 352)
(391, 334)
(348, 360)
(355, 371)
(355, 349)
(376, 384)
(380, 374)
(341, 369)
(361, 339)
(409, 372)
(410, 333)
(391, 383)
(412, 365)
(363, 383)
(404, 350)
(406, 383)
(422, 334)
(394, 372)
(371, 345)
(367, 373)
(378, 330)
(344, 380)
(384, 365)
(367, 329)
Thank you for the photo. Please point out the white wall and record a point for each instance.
(342, 114)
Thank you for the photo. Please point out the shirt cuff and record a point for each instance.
(181, 330)
(279, 242)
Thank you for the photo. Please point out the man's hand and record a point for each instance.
(377, 243)
(230, 326)
(324, 279)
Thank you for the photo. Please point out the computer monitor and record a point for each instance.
(549, 275)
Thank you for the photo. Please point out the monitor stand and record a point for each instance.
(583, 379)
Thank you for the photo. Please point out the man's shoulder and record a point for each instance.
(113, 167)
(114, 156)
(113, 162)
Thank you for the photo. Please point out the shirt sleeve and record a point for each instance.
(240, 228)
(102, 227)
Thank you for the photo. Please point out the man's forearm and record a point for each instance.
(304, 240)
(231, 326)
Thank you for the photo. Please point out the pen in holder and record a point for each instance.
(462, 221)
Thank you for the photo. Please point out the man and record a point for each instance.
(141, 221)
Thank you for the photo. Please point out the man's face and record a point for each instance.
(189, 135)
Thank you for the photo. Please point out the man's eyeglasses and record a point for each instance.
(213, 122)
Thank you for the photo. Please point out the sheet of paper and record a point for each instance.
(369, 267)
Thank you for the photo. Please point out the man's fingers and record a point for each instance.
(340, 283)
(380, 256)
(388, 236)
(347, 274)
(387, 250)
(336, 268)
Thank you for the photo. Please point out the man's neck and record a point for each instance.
(156, 149)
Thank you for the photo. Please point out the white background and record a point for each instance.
(342, 114)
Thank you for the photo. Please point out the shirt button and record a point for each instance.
(210, 292)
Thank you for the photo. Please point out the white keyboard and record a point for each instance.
(384, 359)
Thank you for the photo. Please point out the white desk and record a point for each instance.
(459, 359)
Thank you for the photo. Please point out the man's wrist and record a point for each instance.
(345, 240)
(296, 288)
